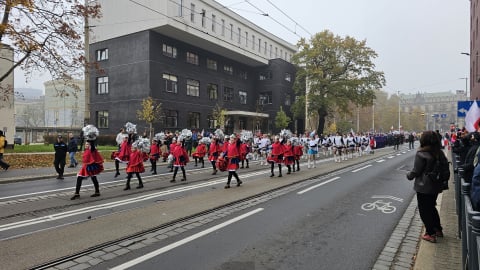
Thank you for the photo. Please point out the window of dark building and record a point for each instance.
(241, 124)
(102, 54)
(243, 96)
(211, 64)
(102, 85)
(193, 88)
(265, 98)
(212, 91)
(193, 120)
(266, 75)
(288, 77)
(192, 58)
(228, 94)
(243, 74)
(102, 119)
(169, 119)
(170, 83)
(212, 123)
(288, 100)
(169, 51)
(228, 69)
(203, 17)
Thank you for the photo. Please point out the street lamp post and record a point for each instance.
(466, 86)
(398, 92)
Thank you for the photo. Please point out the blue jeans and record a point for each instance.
(73, 162)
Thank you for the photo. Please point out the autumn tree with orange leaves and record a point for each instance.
(46, 36)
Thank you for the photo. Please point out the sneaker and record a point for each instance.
(239, 183)
(439, 234)
(227, 186)
(429, 238)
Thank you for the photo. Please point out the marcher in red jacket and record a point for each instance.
(298, 152)
(244, 150)
(92, 165)
(155, 154)
(214, 151)
(200, 152)
(289, 157)
(124, 153)
(233, 159)
(172, 147)
(180, 159)
(276, 157)
(135, 166)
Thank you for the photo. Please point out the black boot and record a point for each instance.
(97, 188)
(127, 187)
(140, 183)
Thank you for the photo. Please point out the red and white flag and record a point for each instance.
(472, 118)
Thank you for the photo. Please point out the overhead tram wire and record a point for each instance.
(289, 17)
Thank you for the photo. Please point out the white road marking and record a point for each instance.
(183, 241)
(381, 160)
(391, 157)
(318, 185)
(364, 167)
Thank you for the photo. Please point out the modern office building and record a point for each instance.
(190, 56)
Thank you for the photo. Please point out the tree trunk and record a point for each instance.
(322, 114)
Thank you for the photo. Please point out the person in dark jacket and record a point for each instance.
(470, 156)
(59, 162)
(72, 149)
(428, 190)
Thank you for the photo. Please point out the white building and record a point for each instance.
(7, 104)
(64, 104)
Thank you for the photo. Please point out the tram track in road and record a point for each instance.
(160, 232)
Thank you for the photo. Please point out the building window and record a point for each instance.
(170, 83)
(243, 74)
(288, 77)
(192, 13)
(214, 21)
(102, 85)
(211, 64)
(169, 119)
(193, 120)
(192, 58)
(223, 27)
(243, 97)
(102, 119)
(180, 8)
(246, 39)
(203, 18)
(265, 98)
(212, 123)
(231, 31)
(228, 69)
(288, 100)
(253, 42)
(276, 52)
(259, 44)
(239, 35)
(228, 94)
(169, 51)
(212, 91)
(271, 51)
(267, 75)
(265, 48)
(102, 54)
(193, 88)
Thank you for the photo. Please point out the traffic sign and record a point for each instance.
(462, 107)
(435, 115)
(443, 115)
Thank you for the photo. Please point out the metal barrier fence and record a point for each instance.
(468, 219)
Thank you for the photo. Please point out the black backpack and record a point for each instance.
(440, 172)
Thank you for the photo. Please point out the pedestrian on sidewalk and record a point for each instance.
(135, 166)
(427, 188)
(72, 150)
(4, 165)
(59, 162)
(92, 165)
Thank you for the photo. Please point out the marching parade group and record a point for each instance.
(225, 153)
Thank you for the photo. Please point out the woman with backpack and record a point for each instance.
(425, 171)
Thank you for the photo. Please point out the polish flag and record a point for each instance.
(472, 118)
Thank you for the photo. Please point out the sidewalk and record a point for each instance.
(445, 254)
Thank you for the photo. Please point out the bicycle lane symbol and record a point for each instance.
(384, 206)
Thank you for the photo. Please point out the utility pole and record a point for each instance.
(87, 72)
(398, 92)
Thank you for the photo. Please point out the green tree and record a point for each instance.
(337, 72)
(150, 112)
(218, 114)
(281, 119)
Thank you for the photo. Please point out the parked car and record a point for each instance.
(17, 140)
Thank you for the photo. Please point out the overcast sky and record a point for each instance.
(419, 42)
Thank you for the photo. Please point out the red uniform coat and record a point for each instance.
(298, 151)
(233, 155)
(214, 151)
(277, 153)
(180, 156)
(155, 152)
(124, 153)
(200, 151)
(135, 163)
(244, 150)
(92, 164)
(288, 156)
